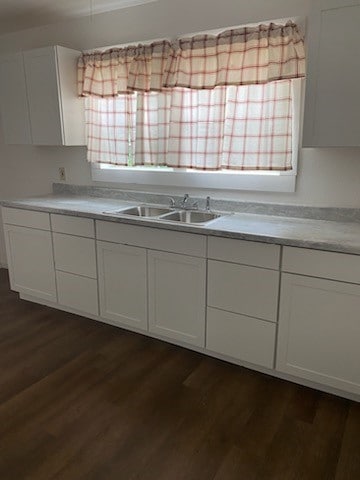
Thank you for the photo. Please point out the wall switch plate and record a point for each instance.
(62, 174)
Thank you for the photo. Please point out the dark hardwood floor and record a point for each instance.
(80, 400)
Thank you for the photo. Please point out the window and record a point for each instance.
(197, 129)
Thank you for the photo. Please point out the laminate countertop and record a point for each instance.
(299, 232)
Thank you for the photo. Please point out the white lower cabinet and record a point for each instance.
(244, 338)
(177, 296)
(319, 331)
(31, 262)
(79, 293)
(168, 292)
(123, 284)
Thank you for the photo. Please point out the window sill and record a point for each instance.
(265, 182)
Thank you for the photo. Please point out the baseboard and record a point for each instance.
(2, 265)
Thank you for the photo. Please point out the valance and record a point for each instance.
(244, 56)
(123, 70)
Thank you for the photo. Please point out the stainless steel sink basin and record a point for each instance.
(191, 216)
(144, 211)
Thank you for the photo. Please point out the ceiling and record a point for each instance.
(20, 14)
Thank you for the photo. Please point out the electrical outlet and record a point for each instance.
(62, 174)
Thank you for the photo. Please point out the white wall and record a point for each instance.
(326, 176)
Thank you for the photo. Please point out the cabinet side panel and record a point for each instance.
(73, 107)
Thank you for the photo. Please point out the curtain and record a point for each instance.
(237, 128)
(111, 129)
(242, 56)
(123, 70)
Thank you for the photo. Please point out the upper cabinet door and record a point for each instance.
(38, 98)
(332, 107)
(44, 105)
(15, 122)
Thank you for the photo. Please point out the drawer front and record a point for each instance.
(244, 338)
(241, 289)
(26, 218)
(76, 292)
(84, 227)
(75, 255)
(316, 263)
(241, 251)
(152, 238)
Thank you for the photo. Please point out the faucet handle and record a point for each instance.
(171, 202)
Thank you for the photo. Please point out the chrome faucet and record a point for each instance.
(171, 202)
(208, 204)
(185, 201)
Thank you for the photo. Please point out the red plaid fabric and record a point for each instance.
(235, 57)
(110, 128)
(123, 70)
(237, 128)
(152, 128)
(242, 56)
(258, 127)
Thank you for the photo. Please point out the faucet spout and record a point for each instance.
(185, 200)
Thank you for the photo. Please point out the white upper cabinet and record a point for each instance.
(42, 84)
(332, 107)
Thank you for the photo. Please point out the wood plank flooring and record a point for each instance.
(80, 400)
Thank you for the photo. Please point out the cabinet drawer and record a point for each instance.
(75, 255)
(316, 263)
(240, 337)
(241, 251)
(83, 227)
(77, 292)
(26, 218)
(153, 238)
(241, 289)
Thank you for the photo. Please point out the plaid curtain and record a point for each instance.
(235, 57)
(206, 102)
(123, 70)
(238, 128)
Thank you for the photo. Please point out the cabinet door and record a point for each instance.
(332, 109)
(177, 297)
(43, 96)
(14, 110)
(123, 284)
(319, 331)
(31, 262)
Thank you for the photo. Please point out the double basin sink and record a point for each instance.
(168, 214)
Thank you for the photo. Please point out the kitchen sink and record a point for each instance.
(143, 211)
(167, 214)
(190, 216)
